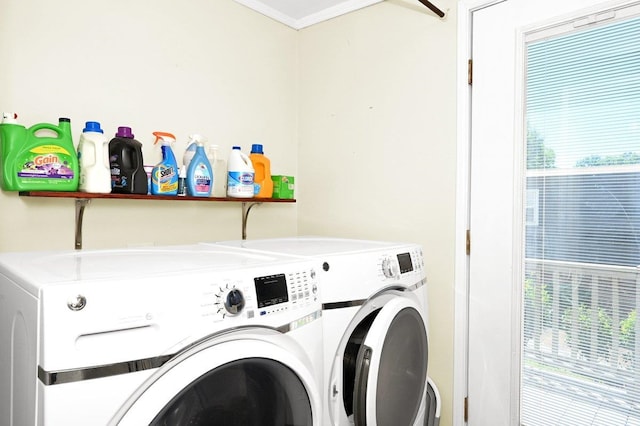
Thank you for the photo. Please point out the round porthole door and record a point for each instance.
(251, 380)
(382, 373)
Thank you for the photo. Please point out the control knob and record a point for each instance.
(234, 301)
(389, 267)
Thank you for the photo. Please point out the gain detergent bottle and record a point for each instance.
(40, 158)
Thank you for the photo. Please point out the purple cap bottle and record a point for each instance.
(124, 132)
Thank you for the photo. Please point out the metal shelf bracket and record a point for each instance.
(246, 208)
(81, 203)
(82, 200)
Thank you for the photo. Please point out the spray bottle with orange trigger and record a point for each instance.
(164, 176)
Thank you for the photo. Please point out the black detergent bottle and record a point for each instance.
(127, 167)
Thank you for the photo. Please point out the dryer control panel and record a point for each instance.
(394, 266)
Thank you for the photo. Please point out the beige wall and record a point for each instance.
(378, 142)
(210, 67)
(361, 109)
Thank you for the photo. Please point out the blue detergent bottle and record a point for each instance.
(199, 173)
(164, 176)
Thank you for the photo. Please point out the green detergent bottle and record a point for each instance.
(40, 158)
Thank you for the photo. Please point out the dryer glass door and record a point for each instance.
(390, 372)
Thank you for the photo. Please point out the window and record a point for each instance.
(581, 359)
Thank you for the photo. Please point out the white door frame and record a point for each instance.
(466, 8)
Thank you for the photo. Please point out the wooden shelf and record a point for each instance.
(82, 199)
(88, 196)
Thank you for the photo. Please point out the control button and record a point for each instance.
(77, 303)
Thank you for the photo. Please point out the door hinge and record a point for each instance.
(470, 72)
(466, 409)
(468, 242)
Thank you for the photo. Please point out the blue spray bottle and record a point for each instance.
(199, 172)
(164, 176)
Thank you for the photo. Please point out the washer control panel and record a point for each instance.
(279, 292)
(252, 296)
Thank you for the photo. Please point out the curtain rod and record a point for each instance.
(433, 8)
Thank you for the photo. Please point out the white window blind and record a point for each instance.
(581, 358)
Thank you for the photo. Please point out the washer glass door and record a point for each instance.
(260, 379)
(384, 371)
(252, 391)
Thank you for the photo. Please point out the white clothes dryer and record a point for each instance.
(178, 335)
(375, 327)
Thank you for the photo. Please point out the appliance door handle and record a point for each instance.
(360, 390)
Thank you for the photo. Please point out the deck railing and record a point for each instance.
(580, 321)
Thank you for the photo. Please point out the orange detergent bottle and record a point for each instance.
(262, 183)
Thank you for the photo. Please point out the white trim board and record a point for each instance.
(314, 12)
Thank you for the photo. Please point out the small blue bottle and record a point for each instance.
(199, 174)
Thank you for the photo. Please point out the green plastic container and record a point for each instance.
(34, 160)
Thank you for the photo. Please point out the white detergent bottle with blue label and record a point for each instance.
(240, 175)
(199, 174)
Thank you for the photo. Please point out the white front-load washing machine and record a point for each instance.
(195, 335)
(375, 328)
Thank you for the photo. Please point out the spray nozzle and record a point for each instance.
(198, 139)
(166, 138)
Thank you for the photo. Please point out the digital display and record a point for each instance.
(404, 260)
(271, 290)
